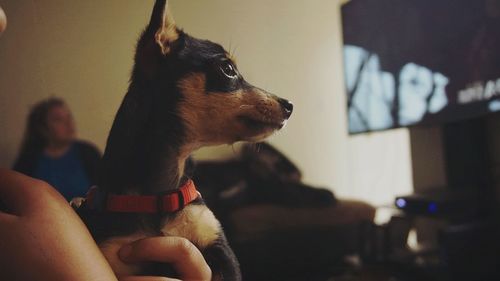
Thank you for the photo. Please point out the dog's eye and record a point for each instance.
(228, 70)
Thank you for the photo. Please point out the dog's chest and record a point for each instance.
(195, 223)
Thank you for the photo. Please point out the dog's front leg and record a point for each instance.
(222, 260)
(198, 224)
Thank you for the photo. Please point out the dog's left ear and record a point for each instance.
(163, 25)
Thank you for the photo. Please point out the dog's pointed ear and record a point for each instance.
(163, 26)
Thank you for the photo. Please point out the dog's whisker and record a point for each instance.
(233, 53)
(246, 106)
(251, 146)
(257, 147)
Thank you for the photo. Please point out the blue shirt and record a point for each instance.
(65, 173)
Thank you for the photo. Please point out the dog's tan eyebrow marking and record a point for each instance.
(230, 57)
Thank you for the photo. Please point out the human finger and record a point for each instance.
(180, 252)
(147, 278)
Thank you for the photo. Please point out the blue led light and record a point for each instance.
(432, 208)
(400, 202)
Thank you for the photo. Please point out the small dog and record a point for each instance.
(184, 93)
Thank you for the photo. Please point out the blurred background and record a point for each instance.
(342, 217)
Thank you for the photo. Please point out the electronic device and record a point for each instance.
(420, 62)
(433, 63)
(442, 203)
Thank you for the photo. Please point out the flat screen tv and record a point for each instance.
(410, 62)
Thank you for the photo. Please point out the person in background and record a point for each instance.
(51, 152)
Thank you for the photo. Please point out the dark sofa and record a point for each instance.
(279, 227)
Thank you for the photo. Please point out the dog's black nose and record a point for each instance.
(287, 106)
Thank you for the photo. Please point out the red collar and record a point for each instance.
(151, 204)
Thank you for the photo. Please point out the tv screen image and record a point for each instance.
(409, 62)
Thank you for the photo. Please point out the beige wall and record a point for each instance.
(82, 50)
(79, 50)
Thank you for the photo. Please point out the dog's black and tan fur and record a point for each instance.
(184, 93)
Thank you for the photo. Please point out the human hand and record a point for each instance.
(41, 237)
(182, 254)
